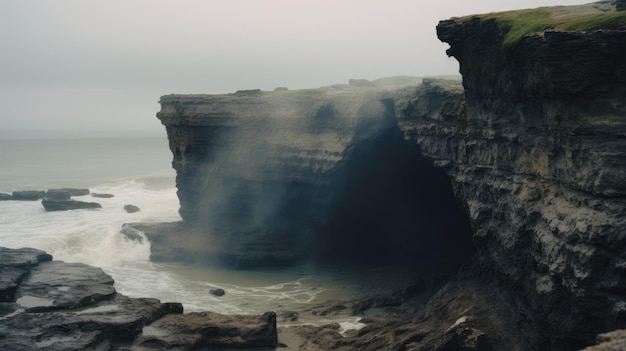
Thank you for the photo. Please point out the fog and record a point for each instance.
(100, 66)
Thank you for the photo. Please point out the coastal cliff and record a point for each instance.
(539, 161)
(276, 178)
(530, 153)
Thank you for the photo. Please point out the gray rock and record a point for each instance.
(58, 195)
(209, 330)
(103, 196)
(56, 285)
(66, 205)
(131, 208)
(312, 178)
(29, 195)
(73, 306)
(217, 292)
(23, 258)
(70, 191)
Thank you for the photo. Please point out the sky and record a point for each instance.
(100, 66)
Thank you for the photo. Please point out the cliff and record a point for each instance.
(532, 147)
(539, 159)
(275, 178)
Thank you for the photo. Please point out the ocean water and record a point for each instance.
(138, 171)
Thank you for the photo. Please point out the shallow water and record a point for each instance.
(138, 172)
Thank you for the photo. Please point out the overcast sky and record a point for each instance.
(103, 64)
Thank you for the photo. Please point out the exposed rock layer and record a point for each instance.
(534, 144)
(53, 305)
(276, 178)
(538, 157)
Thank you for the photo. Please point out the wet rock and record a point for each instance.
(209, 330)
(55, 285)
(103, 196)
(67, 306)
(58, 195)
(217, 292)
(117, 320)
(29, 195)
(131, 208)
(66, 205)
(288, 316)
(131, 233)
(611, 341)
(22, 258)
(70, 191)
(10, 278)
(73, 306)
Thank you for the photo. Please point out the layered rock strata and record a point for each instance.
(53, 305)
(533, 143)
(538, 157)
(273, 178)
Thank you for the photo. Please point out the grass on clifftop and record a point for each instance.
(610, 21)
(523, 22)
(520, 23)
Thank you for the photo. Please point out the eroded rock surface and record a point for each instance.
(67, 205)
(273, 178)
(538, 157)
(54, 305)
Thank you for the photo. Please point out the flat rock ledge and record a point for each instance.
(53, 305)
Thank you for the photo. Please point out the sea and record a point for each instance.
(137, 170)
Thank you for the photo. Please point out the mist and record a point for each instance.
(81, 67)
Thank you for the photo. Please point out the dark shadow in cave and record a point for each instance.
(396, 208)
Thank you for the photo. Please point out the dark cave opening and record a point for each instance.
(397, 208)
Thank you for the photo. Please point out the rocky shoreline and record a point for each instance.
(519, 169)
(53, 305)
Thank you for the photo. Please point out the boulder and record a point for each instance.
(131, 208)
(217, 292)
(209, 330)
(70, 191)
(54, 305)
(103, 196)
(29, 195)
(14, 266)
(65, 205)
(58, 195)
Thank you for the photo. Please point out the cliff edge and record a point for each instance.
(539, 160)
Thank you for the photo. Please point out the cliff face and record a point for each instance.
(538, 157)
(276, 178)
(533, 145)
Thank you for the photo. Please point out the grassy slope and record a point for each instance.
(523, 22)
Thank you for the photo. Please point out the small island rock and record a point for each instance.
(131, 208)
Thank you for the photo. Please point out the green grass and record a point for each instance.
(519, 23)
(609, 21)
